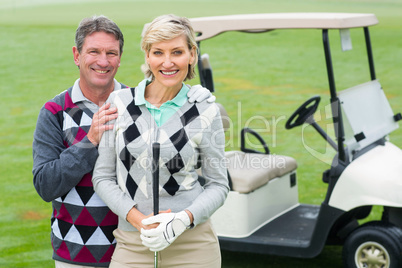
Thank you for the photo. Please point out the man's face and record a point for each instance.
(98, 61)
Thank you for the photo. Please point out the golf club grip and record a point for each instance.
(155, 175)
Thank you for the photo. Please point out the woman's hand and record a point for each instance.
(171, 226)
(135, 217)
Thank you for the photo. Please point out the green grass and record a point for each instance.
(282, 69)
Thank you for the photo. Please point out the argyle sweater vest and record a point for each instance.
(194, 133)
(82, 224)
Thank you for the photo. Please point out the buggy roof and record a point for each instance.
(208, 27)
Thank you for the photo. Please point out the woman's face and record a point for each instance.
(169, 60)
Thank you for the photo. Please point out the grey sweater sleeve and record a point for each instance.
(214, 170)
(57, 169)
(104, 176)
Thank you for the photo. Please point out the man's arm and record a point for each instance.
(58, 169)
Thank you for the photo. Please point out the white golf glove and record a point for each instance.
(171, 225)
(199, 93)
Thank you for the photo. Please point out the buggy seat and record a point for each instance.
(249, 171)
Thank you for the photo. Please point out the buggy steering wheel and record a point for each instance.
(302, 113)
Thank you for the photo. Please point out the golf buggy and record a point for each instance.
(262, 213)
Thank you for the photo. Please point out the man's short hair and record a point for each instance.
(94, 24)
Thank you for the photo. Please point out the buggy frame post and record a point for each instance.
(335, 104)
(369, 53)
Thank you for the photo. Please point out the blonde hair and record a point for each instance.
(168, 27)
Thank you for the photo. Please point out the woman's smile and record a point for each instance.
(169, 72)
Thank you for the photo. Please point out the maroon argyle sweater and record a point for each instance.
(81, 223)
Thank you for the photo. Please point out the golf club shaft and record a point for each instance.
(155, 185)
(155, 175)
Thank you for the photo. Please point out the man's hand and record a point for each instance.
(171, 225)
(199, 93)
(99, 120)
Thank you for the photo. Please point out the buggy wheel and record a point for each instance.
(373, 246)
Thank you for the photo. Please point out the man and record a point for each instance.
(68, 131)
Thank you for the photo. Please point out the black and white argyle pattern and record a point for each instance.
(180, 138)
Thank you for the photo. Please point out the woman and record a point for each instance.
(157, 110)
